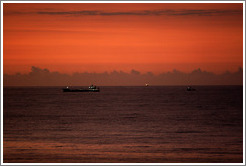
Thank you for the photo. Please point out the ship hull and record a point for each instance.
(81, 90)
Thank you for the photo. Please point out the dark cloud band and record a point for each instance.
(44, 77)
(184, 12)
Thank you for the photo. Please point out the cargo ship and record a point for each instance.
(91, 88)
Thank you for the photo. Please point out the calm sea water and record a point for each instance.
(123, 124)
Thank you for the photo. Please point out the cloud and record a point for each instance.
(161, 12)
(83, 12)
(44, 77)
(135, 72)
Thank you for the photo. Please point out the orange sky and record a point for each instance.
(105, 37)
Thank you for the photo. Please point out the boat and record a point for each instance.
(190, 89)
(91, 88)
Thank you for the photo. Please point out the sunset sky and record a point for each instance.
(101, 37)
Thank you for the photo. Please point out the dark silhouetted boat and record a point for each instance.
(190, 89)
(91, 88)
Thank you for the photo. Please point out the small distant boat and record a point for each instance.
(190, 89)
(146, 84)
(91, 88)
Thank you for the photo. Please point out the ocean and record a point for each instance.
(155, 124)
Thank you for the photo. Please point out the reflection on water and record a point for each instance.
(124, 124)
